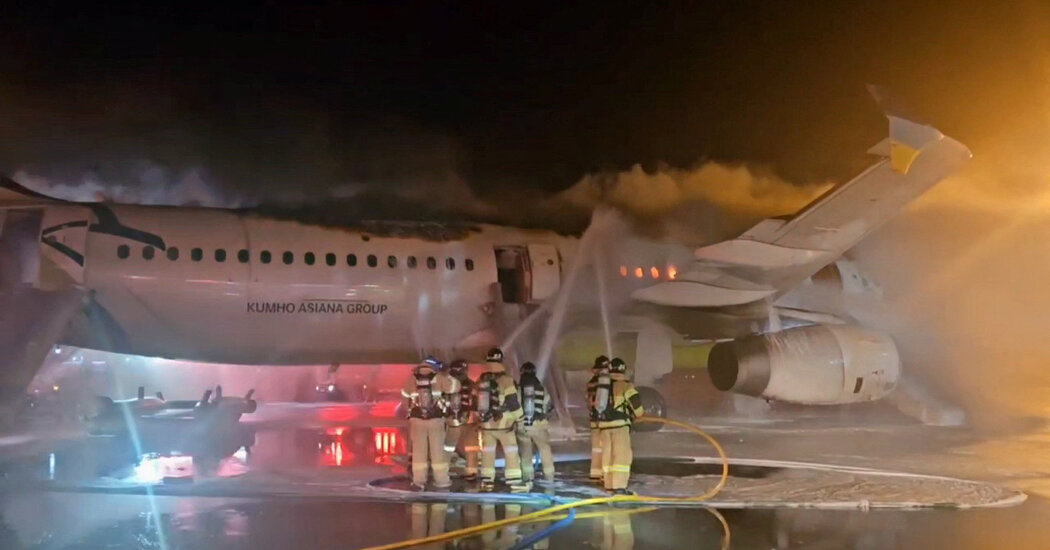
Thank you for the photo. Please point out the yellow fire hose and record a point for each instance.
(547, 512)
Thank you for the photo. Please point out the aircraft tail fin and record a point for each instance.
(779, 253)
(914, 158)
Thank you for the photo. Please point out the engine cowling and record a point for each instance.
(813, 365)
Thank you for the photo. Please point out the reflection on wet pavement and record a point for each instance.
(127, 522)
(34, 517)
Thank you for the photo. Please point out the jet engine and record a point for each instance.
(812, 365)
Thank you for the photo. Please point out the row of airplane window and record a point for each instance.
(288, 257)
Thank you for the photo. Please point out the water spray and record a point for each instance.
(599, 273)
(561, 299)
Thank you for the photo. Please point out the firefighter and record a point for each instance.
(426, 405)
(533, 430)
(598, 370)
(617, 404)
(499, 408)
(462, 425)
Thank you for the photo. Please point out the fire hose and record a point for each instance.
(545, 514)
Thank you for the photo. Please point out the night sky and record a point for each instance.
(270, 98)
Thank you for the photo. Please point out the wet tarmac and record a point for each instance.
(157, 491)
(72, 520)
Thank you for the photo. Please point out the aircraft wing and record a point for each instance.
(779, 253)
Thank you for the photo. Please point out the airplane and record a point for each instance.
(238, 286)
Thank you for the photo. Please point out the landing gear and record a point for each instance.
(654, 405)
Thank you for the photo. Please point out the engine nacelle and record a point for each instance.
(813, 365)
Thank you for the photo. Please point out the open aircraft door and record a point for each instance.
(528, 274)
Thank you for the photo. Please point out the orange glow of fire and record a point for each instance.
(623, 271)
(638, 273)
(655, 273)
(671, 272)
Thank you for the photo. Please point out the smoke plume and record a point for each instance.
(709, 202)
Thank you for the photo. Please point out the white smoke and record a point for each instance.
(737, 189)
(151, 184)
(707, 203)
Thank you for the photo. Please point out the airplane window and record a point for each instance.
(411, 262)
(431, 263)
(196, 254)
(220, 254)
(450, 263)
(351, 260)
(288, 257)
(173, 253)
(329, 258)
(264, 256)
(243, 256)
(123, 251)
(391, 261)
(309, 258)
(372, 260)
(147, 253)
(469, 264)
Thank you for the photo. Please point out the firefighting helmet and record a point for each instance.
(495, 355)
(459, 366)
(528, 368)
(434, 363)
(600, 362)
(618, 365)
